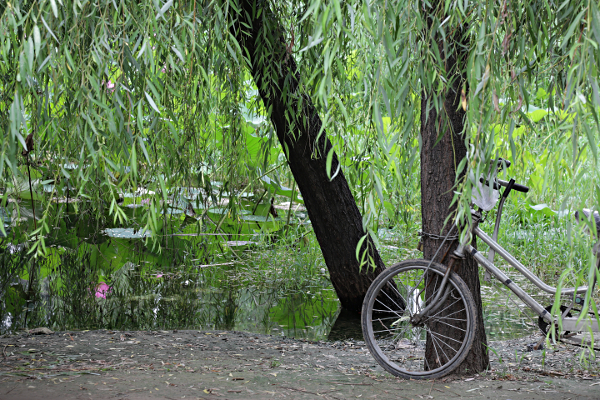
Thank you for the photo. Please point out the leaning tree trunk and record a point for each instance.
(443, 147)
(331, 207)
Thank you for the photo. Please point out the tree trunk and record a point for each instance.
(443, 147)
(335, 218)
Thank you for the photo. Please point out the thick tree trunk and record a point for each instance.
(439, 158)
(331, 207)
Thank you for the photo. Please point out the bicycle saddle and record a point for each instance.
(485, 193)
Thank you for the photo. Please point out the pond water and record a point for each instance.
(99, 275)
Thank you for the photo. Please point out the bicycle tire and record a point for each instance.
(400, 345)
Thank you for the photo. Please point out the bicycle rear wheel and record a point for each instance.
(432, 348)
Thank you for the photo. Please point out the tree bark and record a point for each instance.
(443, 147)
(333, 212)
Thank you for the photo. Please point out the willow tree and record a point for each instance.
(134, 95)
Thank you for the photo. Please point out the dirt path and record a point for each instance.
(232, 365)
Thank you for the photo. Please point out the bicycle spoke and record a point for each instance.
(388, 309)
(444, 336)
(441, 347)
(436, 352)
(392, 300)
(441, 311)
(433, 340)
(449, 315)
(392, 329)
(384, 318)
(452, 326)
(427, 363)
(451, 319)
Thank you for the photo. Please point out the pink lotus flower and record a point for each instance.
(102, 289)
(110, 86)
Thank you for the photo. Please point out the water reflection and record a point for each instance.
(347, 326)
(61, 292)
(66, 296)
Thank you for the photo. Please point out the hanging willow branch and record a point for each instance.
(143, 95)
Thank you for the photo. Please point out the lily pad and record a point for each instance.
(255, 218)
(190, 193)
(543, 209)
(137, 193)
(281, 190)
(252, 119)
(127, 233)
(240, 243)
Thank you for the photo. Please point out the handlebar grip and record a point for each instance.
(520, 188)
(516, 186)
(502, 163)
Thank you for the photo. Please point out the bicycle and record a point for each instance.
(418, 316)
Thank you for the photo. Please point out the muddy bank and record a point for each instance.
(234, 365)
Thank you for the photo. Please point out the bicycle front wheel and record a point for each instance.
(436, 345)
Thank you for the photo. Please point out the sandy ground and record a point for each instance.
(234, 365)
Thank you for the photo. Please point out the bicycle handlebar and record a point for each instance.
(516, 186)
(500, 182)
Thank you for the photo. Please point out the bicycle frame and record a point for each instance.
(568, 323)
